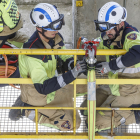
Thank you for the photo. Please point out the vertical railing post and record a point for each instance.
(91, 103)
(74, 109)
(112, 121)
(36, 120)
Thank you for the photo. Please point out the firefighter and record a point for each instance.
(48, 89)
(116, 33)
(10, 23)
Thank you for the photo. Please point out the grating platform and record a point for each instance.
(8, 95)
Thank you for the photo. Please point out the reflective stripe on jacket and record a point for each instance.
(41, 68)
(129, 39)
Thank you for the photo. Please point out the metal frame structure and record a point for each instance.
(72, 135)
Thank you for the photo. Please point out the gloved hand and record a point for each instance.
(79, 68)
(71, 64)
(102, 68)
(68, 65)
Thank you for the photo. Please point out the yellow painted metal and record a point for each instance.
(15, 81)
(44, 136)
(112, 122)
(49, 136)
(36, 120)
(91, 104)
(79, 3)
(78, 81)
(117, 81)
(74, 111)
(60, 52)
(104, 108)
(70, 108)
(43, 51)
(111, 52)
(110, 81)
(117, 137)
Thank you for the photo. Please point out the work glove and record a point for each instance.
(71, 64)
(102, 68)
(68, 65)
(79, 68)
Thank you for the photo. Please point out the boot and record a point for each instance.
(16, 114)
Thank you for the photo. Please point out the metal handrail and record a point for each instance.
(60, 52)
(77, 81)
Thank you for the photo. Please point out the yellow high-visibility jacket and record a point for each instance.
(9, 14)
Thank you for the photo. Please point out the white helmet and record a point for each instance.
(110, 15)
(46, 16)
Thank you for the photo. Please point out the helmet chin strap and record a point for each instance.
(44, 34)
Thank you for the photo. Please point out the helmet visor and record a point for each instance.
(103, 26)
(57, 24)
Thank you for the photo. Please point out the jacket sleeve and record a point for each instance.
(132, 56)
(100, 46)
(65, 57)
(43, 83)
(1, 22)
(68, 60)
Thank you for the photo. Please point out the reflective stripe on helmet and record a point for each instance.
(109, 11)
(44, 13)
(112, 12)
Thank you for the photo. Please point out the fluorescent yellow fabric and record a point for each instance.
(126, 46)
(9, 14)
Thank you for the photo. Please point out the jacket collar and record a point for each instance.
(117, 41)
(52, 43)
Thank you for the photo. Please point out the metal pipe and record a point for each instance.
(74, 13)
(59, 52)
(78, 81)
(64, 136)
(74, 110)
(36, 120)
(124, 3)
(112, 122)
(70, 108)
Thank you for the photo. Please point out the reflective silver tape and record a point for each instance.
(32, 115)
(130, 70)
(56, 73)
(122, 121)
(8, 5)
(60, 80)
(115, 108)
(92, 91)
(119, 63)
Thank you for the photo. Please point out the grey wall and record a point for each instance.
(85, 16)
(34, 2)
(89, 11)
(64, 8)
(133, 9)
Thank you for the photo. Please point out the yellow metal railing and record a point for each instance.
(59, 52)
(77, 81)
